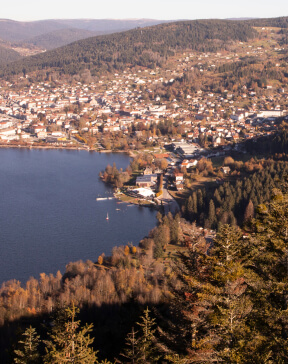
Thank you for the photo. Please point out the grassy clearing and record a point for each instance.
(180, 196)
(133, 200)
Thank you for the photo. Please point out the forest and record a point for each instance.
(233, 202)
(227, 302)
(8, 55)
(270, 144)
(190, 298)
(281, 22)
(180, 297)
(148, 47)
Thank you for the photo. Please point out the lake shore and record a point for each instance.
(64, 147)
(48, 207)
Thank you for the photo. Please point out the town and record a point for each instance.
(150, 110)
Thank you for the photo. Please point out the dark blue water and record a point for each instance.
(49, 215)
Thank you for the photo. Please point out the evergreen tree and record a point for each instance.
(249, 212)
(186, 332)
(27, 353)
(231, 302)
(69, 342)
(211, 308)
(158, 251)
(200, 199)
(175, 229)
(217, 197)
(189, 208)
(211, 215)
(131, 351)
(140, 345)
(268, 258)
(146, 342)
(194, 199)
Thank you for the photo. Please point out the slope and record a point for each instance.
(8, 55)
(15, 31)
(147, 47)
(59, 38)
(281, 22)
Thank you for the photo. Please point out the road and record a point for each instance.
(168, 201)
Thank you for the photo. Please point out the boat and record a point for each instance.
(104, 198)
(118, 209)
(107, 217)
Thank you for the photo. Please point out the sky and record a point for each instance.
(153, 9)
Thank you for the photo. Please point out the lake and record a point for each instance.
(49, 215)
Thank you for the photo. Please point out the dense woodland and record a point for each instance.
(59, 38)
(281, 22)
(271, 144)
(233, 202)
(8, 55)
(147, 47)
(114, 289)
(227, 303)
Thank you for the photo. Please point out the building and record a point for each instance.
(225, 170)
(179, 177)
(146, 181)
(185, 149)
(270, 113)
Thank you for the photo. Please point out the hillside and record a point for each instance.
(59, 38)
(15, 31)
(147, 47)
(8, 55)
(109, 25)
(281, 22)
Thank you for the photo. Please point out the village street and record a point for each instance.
(168, 201)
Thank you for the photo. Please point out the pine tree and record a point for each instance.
(131, 351)
(27, 353)
(187, 335)
(189, 207)
(211, 307)
(231, 305)
(217, 197)
(140, 345)
(269, 259)
(175, 229)
(146, 342)
(228, 244)
(231, 302)
(249, 212)
(194, 198)
(69, 342)
(211, 215)
(200, 199)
